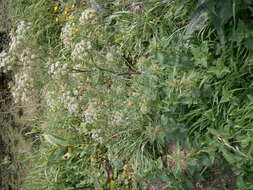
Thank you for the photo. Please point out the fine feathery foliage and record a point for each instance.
(135, 94)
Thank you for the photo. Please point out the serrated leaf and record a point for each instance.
(219, 70)
(248, 43)
(246, 141)
(226, 96)
(228, 156)
(213, 132)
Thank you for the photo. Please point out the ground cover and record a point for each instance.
(134, 95)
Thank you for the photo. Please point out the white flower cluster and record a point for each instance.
(67, 34)
(96, 135)
(19, 90)
(81, 49)
(4, 59)
(109, 57)
(144, 108)
(87, 15)
(18, 36)
(57, 69)
(7, 58)
(70, 101)
(49, 97)
(17, 55)
(116, 118)
(64, 97)
(90, 113)
(26, 58)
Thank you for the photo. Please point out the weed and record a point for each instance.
(136, 95)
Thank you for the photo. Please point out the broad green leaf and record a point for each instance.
(249, 43)
(229, 156)
(219, 70)
(226, 96)
(246, 141)
(214, 132)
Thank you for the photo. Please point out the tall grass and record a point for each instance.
(147, 95)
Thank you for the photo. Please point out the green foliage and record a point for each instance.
(163, 94)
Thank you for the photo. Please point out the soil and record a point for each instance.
(219, 180)
(9, 171)
(12, 171)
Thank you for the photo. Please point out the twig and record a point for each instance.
(117, 73)
(107, 70)
(81, 71)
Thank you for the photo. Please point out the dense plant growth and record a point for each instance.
(135, 95)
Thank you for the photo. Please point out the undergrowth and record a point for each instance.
(136, 95)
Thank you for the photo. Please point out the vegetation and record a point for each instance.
(134, 95)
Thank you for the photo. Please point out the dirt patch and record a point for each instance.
(219, 180)
(4, 41)
(10, 169)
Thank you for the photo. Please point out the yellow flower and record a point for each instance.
(77, 29)
(56, 19)
(56, 8)
(73, 24)
(129, 104)
(73, 6)
(65, 12)
(70, 17)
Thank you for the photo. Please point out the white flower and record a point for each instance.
(18, 35)
(67, 35)
(73, 107)
(109, 57)
(3, 62)
(86, 15)
(75, 92)
(95, 134)
(144, 109)
(90, 113)
(80, 49)
(117, 118)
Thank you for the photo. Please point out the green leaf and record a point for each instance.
(229, 157)
(214, 132)
(226, 96)
(181, 4)
(56, 141)
(224, 10)
(249, 43)
(246, 141)
(117, 163)
(219, 13)
(56, 155)
(219, 70)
